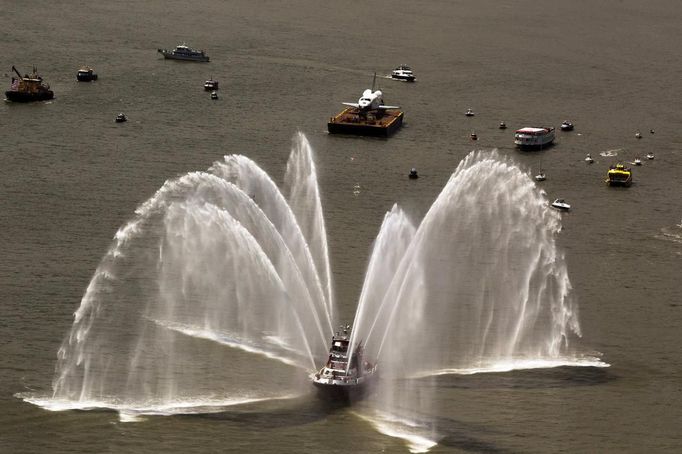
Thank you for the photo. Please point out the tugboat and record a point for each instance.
(404, 73)
(344, 378)
(184, 52)
(121, 118)
(619, 175)
(86, 74)
(211, 85)
(28, 88)
(567, 126)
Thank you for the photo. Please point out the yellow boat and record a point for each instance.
(619, 175)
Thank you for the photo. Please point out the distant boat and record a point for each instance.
(121, 118)
(413, 175)
(533, 137)
(184, 52)
(214, 95)
(638, 135)
(503, 125)
(469, 113)
(567, 126)
(560, 204)
(474, 136)
(540, 176)
(86, 74)
(588, 159)
(637, 162)
(28, 88)
(404, 73)
(619, 175)
(650, 155)
(211, 84)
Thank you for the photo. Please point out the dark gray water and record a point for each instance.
(70, 177)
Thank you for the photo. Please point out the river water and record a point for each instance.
(70, 177)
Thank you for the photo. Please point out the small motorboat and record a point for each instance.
(120, 118)
(560, 204)
(86, 74)
(469, 113)
(211, 84)
(651, 131)
(540, 176)
(567, 126)
(637, 162)
(474, 136)
(638, 135)
(214, 95)
(502, 125)
(588, 159)
(413, 175)
(650, 155)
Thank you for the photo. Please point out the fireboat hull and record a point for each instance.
(17, 96)
(343, 393)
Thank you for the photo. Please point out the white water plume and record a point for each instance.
(213, 260)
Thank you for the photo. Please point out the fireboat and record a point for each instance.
(342, 378)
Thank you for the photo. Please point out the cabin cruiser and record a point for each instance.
(86, 74)
(120, 118)
(588, 159)
(567, 126)
(533, 137)
(28, 88)
(403, 72)
(637, 162)
(343, 378)
(469, 113)
(619, 175)
(184, 52)
(650, 155)
(560, 204)
(210, 85)
(413, 175)
(214, 95)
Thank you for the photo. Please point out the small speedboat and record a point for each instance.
(637, 162)
(214, 95)
(469, 113)
(120, 118)
(588, 159)
(650, 155)
(638, 135)
(413, 175)
(540, 176)
(474, 136)
(211, 84)
(502, 125)
(567, 126)
(560, 204)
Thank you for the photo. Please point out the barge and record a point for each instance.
(352, 120)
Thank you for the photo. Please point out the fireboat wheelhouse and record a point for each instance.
(344, 378)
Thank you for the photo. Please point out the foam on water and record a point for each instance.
(418, 437)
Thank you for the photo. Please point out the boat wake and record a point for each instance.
(610, 153)
(517, 364)
(134, 412)
(418, 436)
(276, 349)
(673, 233)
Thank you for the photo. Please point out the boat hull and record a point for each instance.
(18, 96)
(344, 392)
(86, 77)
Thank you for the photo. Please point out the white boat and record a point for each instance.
(534, 137)
(120, 118)
(588, 159)
(560, 204)
(403, 72)
(567, 126)
(469, 113)
(214, 95)
(637, 162)
(540, 176)
(184, 52)
(650, 155)
(638, 135)
(503, 125)
(211, 84)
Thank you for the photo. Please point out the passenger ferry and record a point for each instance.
(403, 72)
(619, 175)
(344, 378)
(184, 52)
(533, 137)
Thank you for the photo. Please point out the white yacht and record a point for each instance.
(534, 137)
(560, 204)
(184, 52)
(403, 72)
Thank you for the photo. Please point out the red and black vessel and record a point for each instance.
(28, 88)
